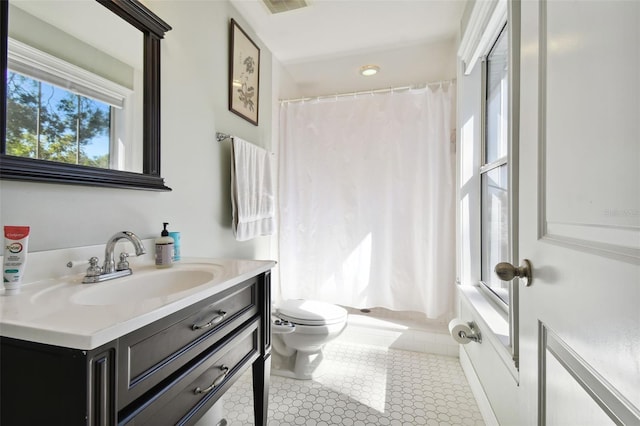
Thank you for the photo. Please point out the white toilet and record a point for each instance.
(300, 330)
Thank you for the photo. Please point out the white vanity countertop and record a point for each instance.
(52, 312)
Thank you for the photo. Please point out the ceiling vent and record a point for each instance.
(279, 6)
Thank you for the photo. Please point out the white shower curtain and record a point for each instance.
(366, 199)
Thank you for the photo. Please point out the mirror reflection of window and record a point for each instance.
(50, 123)
(71, 95)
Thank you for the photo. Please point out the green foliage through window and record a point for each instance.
(50, 123)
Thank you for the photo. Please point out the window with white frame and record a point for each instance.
(488, 117)
(494, 170)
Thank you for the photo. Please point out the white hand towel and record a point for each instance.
(252, 194)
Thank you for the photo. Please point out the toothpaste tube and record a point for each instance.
(16, 240)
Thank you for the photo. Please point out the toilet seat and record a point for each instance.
(310, 312)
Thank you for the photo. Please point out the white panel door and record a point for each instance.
(579, 210)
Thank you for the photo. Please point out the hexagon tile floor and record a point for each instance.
(362, 385)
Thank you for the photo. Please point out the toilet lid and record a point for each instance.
(310, 312)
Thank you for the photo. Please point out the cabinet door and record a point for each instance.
(50, 385)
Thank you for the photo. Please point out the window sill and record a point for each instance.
(491, 322)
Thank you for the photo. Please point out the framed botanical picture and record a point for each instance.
(244, 74)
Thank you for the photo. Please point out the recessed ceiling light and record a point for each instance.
(369, 70)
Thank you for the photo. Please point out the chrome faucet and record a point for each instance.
(109, 269)
(109, 262)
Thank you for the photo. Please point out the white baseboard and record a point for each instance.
(476, 388)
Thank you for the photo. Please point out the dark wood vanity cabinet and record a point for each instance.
(50, 385)
(168, 372)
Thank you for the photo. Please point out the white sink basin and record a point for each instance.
(144, 286)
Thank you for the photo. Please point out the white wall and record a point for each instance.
(194, 107)
(402, 66)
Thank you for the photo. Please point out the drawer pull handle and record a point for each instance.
(215, 320)
(215, 383)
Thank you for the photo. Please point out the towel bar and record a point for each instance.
(222, 136)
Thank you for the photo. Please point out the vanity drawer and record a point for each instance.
(184, 397)
(153, 353)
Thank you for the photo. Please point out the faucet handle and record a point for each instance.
(123, 264)
(93, 270)
(74, 263)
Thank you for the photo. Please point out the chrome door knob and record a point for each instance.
(506, 272)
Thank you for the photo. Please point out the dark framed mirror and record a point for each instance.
(23, 168)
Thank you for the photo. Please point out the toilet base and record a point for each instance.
(301, 365)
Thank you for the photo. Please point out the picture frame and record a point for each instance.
(244, 74)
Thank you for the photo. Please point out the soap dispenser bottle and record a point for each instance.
(164, 249)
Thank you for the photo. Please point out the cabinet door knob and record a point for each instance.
(506, 272)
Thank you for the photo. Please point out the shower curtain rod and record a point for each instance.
(369, 92)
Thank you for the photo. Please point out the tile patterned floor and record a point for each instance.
(363, 384)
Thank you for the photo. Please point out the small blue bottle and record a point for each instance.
(176, 245)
